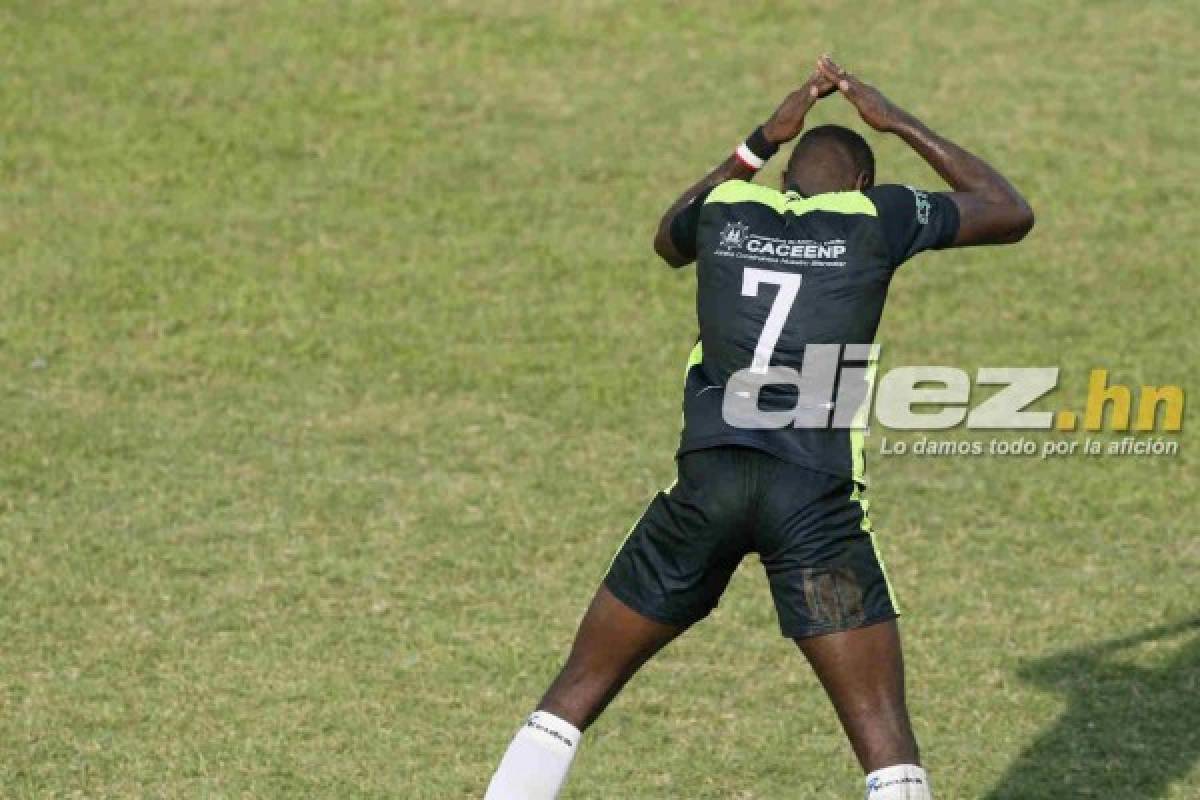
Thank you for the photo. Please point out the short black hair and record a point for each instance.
(829, 158)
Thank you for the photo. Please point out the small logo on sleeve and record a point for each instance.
(923, 207)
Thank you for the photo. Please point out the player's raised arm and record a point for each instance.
(675, 239)
(990, 210)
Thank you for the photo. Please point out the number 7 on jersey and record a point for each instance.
(781, 306)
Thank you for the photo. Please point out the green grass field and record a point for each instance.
(335, 362)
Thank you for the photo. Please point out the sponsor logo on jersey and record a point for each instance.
(736, 239)
(797, 248)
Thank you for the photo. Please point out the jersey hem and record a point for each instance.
(757, 444)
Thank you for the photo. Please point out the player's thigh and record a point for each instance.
(860, 668)
(613, 639)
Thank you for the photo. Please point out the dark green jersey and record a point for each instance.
(790, 291)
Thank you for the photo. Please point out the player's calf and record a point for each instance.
(862, 669)
(612, 643)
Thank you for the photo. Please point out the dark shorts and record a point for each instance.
(810, 529)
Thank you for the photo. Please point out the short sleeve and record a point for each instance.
(686, 223)
(913, 220)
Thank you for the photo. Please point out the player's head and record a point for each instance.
(830, 158)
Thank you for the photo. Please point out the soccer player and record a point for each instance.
(763, 465)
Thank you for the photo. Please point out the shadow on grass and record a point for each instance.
(1130, 728)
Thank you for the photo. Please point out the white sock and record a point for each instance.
(901, 782)
(535, 765)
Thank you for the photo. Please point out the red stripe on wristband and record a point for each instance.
(746, 156)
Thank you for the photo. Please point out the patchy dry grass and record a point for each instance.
(334, 363)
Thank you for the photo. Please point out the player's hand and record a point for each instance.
(875, 109)
(788, 120)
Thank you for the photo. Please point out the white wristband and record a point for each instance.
(747, 157)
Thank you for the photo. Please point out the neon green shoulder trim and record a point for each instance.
(790, 202)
